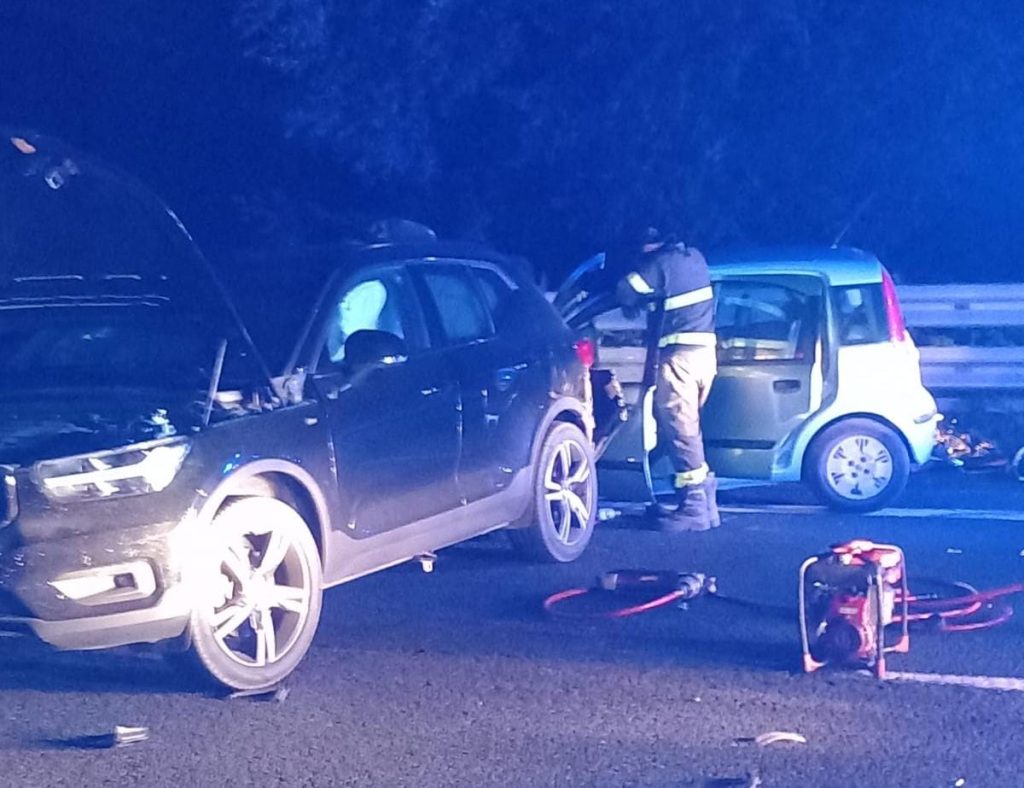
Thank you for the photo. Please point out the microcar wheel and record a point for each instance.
(561, 519)
(857, 465)
(257, 596)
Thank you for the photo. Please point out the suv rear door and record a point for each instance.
(501, 372)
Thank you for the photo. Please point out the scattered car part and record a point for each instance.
(963, 448)
(278, 694)
(427, 562)
(122, 736)
(776, 737)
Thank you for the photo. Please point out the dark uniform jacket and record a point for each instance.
(677, 278)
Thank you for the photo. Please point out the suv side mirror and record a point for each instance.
(367, 348)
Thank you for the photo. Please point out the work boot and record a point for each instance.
(692, 513)
(711, 490)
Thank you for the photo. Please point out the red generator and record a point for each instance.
(848, 597)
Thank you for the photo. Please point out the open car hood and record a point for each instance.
(74, 231)
(103, 294)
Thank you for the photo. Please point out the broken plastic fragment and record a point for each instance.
(23, 145)
(122, 736)
(775, 737)
(277, 694)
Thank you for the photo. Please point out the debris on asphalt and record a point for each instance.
(122, 736)
(1017, 465)
(954, 551)
(960, 783)
(963, 449)
(777, 737)
(752, 780)
(277, 694)
(606, 513)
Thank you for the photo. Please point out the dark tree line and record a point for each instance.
(545, 125)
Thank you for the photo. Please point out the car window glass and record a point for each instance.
(375, 303)
(860, 314)
(757, 321)
(499, 294)
(462, 314)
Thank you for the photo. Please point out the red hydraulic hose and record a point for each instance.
(921, 608)
(551, 603)
(975, 601)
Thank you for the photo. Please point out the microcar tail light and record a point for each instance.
(893, 313)
(586, 352)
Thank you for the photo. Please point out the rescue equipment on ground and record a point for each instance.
(851, 594)
(663, 587)
(855, 604)
(848, 596)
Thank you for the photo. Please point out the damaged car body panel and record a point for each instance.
(158, 480)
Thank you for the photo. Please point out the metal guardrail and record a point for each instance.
(963, 306)
(944, 368)
(967, 367)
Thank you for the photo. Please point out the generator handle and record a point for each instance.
(810, 663)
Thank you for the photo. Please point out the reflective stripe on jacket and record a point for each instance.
(679, 277)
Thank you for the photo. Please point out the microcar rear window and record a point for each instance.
(860, 314)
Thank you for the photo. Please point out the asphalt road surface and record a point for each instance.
(456, 678)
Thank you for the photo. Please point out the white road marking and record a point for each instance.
(998, 683)
(1004, 515)
(962, 514)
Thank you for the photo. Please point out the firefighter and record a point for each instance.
(672, 280)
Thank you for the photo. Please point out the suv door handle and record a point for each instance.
(505, 378)
(786, 386)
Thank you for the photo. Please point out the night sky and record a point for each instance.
(544, 127)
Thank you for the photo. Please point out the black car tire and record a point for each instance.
(857, 465)
(237, 650)
(564, 485)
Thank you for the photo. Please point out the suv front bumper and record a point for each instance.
(98, 590)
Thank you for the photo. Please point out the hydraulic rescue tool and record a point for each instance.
(848, 596)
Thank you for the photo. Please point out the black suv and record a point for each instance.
(162, 482)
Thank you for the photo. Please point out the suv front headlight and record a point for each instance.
(135, 470)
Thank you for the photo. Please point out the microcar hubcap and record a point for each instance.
(859, 467)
